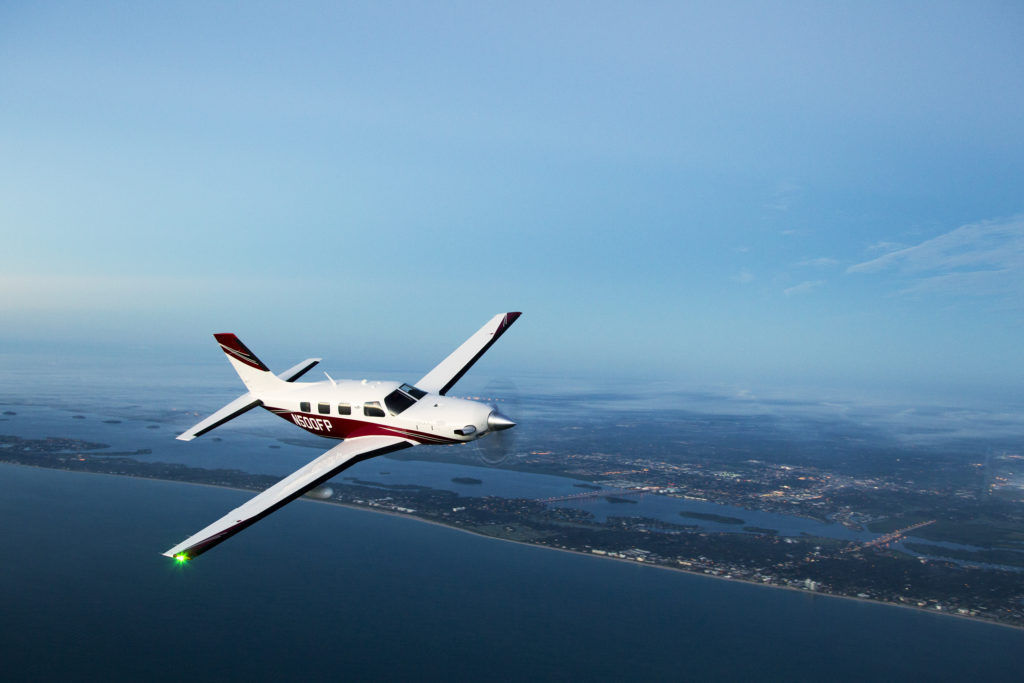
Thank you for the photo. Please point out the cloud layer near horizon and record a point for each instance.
(984, 258)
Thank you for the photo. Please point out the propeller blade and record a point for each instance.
(497, 445)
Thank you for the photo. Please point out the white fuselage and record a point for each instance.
(341, 409)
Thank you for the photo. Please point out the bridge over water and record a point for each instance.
(603, 493)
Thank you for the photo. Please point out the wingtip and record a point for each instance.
(179, 555)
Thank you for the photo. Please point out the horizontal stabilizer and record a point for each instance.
(298, 370)
(243, 403)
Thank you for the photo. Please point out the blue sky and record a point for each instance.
(766, 195)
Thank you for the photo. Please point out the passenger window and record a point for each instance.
(373, 409)
(324, 408)
(304, 407)
(344, 409)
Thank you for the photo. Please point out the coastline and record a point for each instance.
(416, 518)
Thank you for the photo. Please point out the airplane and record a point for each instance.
(370, 418)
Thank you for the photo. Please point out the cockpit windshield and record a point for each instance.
(399, 399)
(413, 391)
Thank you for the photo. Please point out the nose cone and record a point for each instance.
(496, 421)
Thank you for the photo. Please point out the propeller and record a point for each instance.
(498, 444)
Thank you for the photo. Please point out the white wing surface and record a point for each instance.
(451, 369)
(342, 456)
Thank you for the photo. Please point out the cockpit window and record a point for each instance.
(413, 391)
(397, 401)
(373, 409)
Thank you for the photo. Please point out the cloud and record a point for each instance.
(803, 287)
(823, 262)
(886, 246)
(979, 259)
(744, 277)
(786, 193)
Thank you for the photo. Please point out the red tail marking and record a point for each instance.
(234, 347)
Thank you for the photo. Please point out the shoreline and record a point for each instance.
(367, 508)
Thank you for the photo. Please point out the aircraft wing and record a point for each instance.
(344, 455)
(243, 403)
(451, 369)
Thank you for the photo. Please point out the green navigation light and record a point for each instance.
(181, 558)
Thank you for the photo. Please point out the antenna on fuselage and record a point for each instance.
(333, 383)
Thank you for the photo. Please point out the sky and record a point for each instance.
(776, 197)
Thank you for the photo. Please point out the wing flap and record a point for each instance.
(451, 369)
(342, 456)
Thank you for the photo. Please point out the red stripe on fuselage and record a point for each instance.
(333, 427)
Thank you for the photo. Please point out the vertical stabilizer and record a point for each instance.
(256, 376)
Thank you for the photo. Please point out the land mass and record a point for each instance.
(709, 517)
(874, 570)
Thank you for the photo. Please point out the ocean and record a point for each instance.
(319, 591)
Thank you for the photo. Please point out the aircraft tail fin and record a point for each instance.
(255, 375)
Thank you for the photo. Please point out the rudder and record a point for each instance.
(250, 369)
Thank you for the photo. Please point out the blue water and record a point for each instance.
(957, 546)
(318, 591)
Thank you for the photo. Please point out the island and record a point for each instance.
(709, 517)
